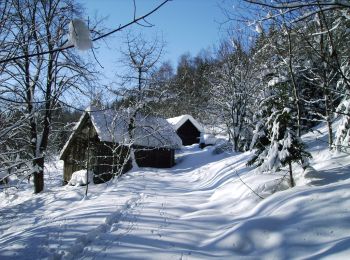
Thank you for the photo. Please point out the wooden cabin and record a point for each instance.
(187, 128)
(101, 142)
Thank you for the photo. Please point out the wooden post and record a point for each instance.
(87, 163)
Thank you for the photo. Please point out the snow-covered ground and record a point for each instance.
(199, 209)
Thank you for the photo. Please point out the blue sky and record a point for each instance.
(186, 25)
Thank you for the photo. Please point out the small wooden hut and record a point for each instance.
(101, 142)
(187, 128)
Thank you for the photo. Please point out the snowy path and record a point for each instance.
(166, 220)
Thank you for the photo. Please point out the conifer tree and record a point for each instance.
(275, 139)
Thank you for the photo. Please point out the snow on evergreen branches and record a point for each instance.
(342, 137)
(276, 143)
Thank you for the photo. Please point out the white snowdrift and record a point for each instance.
(79, 178)
(200, 209)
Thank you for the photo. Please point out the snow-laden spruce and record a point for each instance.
(276, 144)
(342, 138)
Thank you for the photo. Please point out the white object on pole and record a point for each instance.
(79, 35)
(258, 28)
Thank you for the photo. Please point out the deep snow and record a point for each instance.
(199, 209)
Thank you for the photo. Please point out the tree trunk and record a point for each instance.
(294, 84)
(133, 159)
(131, 132)
(325, 85)
(329, 122)
(38, 174)
(235, 143)
(292, 183)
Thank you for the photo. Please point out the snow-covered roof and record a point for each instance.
(151, 131)
(178, 121)
(112, 126)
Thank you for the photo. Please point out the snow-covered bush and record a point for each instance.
(207, 139)
(223, 146)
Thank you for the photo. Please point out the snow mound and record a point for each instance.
(297, 223)
(208, 139)
(79, 178)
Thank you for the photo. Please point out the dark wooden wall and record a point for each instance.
(108, 159)
(155, 157)
(75, 160)
(188, 133)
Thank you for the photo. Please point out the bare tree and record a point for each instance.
(136, 20)
(37, 83)
(232, 91)
(286, 4)
(140, 59)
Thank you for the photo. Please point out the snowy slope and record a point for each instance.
(200, 209)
